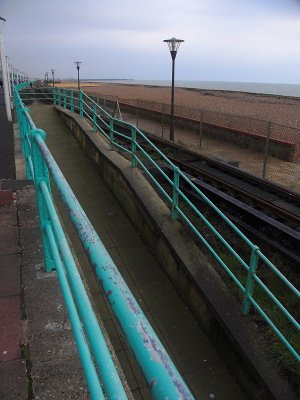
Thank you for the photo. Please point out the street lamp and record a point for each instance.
(3, 63)
(173, 47)
(46, 78)
(77, 63)
(52, 71)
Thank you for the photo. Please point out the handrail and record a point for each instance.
(160, 372)
(101, 121)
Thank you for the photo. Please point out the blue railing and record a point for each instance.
(248, 276)
(99, 368)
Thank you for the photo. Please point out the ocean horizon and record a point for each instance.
(279, 89)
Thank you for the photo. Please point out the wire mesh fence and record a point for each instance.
(261, 147)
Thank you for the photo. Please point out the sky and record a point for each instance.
(224, 40)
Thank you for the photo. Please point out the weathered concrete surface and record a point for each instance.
(56, 371)
(218, 313)
(13, 383)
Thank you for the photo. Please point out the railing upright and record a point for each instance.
(27, 146)
(133, 147)
(41, 175)
(175, 197)
(80, 104)
(72, 100)
(94, 106)
(58, 96)
(65, 98)
(54, 96)
(111, 133)
(250, 280)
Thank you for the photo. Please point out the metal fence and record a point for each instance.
(254, 145)
(99, 368)
(261, 284)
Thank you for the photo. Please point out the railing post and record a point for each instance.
(94, 117)
(250, 281)
(80, 104)
(54, 96)
(133, 147)
(111, 133)
(175, 202)
(65, 98)
(26, 144)
(58, 95)
(72, 99)
(41, 175)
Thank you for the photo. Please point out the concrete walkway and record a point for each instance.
(13, 382)
(196, 359)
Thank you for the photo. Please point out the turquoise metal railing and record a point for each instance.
(160, 372)
(111, 129)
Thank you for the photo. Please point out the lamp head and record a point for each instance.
(77, 63)
(173, 45)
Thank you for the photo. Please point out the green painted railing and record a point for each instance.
(101, 373)
(248, 275)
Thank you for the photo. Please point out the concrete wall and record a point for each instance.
(218, 313)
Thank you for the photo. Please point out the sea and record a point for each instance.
(280, 89)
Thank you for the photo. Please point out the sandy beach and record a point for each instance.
(278, 109)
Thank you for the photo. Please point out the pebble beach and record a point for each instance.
(278, 109)
(282, 110)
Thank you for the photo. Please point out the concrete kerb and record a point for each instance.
(219, 315)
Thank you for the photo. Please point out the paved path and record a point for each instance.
(13, 382)
(196, 359)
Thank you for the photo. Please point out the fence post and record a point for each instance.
(137, 112)
(111, 133)
(94, 117)
(201, 128)
(250, 280)
(41, 174)
(65, 98)
(54, 96)
(58, 95)
(264, 172)
(80, 104)
(21, 118)
(72, 100)
(26, 148)
(133, 147)
(175, 198)
(162, 120)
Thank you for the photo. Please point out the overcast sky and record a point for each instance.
(225, 40)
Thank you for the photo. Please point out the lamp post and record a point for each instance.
(52, 71)
(8, 76)
(77, 63)
(3, 63)
(173, 45)
(46, 78)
